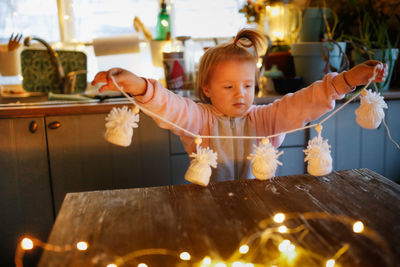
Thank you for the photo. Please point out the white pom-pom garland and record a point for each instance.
(120, 124)
(318, 155)
(264, 160)
(370, 113)
(199, 171)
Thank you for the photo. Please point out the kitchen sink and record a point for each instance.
(40, 99)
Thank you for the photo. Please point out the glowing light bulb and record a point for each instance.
(291, 248)
(279, 217)
(82, 245)
(184, 256)
(111, 265)
(358, 227)
(282, 229)
(244, 249)
(284, 246)
(237, 264)
(207, 260)
(142, 265)
(27, 244)
(268, 8)
(330, 263)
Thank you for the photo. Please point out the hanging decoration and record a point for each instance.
(120, 124)
(264, 160)
(199, 171)
(318, 155)
(370, 113)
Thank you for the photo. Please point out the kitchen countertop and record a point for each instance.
(39, 106)
(121, 226)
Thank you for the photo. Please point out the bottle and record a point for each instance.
(163, 27)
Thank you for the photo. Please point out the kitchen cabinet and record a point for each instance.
(82, 160)
(65, 154)
(25, 192)
(355, 147)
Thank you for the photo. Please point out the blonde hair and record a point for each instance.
(237, 50)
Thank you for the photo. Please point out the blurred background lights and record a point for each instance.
(238, 264)
(279, 217)
(207, 260)
(27, 244)
(184, 256)
(284, 245)
(82, 245)
(330, 263)
(282, 229)
(244, 249)
(142, 265)
(111, 265)
(358, 227)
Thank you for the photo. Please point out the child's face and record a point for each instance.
(231, 87)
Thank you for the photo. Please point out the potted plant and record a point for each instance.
(372, 27)
(315, 14)
(313, 59)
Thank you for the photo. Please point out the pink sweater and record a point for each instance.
(290, 112)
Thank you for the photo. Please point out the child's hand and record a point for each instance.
(127, 80)
(360, 74)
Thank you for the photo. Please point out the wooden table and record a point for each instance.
(216, 220)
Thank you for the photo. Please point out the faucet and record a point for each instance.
(67, 82)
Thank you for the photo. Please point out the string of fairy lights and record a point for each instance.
(274, 232)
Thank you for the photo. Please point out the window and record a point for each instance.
(38, 17)
(88, 19)
(84, 20)
(207, 18)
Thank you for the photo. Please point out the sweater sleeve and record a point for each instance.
(179, 110)
(294, 110)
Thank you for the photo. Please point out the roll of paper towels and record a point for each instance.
(121, 44)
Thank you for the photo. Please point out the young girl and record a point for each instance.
(226, 80)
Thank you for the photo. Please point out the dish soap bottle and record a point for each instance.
(163, 27)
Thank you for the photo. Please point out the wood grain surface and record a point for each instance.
(214, 220)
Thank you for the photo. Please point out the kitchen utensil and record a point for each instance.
(13, 43)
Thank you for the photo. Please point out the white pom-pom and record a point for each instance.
(370, 113)
(318, 156)
(120, 124)
(264, 160)
(199, 171)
